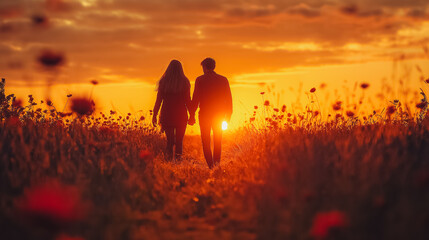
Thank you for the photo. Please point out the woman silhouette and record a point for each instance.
(174, 94)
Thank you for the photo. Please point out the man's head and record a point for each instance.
(208, 64)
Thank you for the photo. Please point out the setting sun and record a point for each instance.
(224, 125)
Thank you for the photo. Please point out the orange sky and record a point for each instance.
(127, 44)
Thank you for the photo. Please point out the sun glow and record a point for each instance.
(224, 125)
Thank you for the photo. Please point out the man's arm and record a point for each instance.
(194, 102)
(196, 96)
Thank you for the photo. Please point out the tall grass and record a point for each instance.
(283, 175)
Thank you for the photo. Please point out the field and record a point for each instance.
(289, 176)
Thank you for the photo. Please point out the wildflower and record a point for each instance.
(144, 153)
(276, 110)
(51, 59)
(82, 106)
(49, 102)
(142, 118)
(337, 106)
(364, 85)
(350, 114)
(53, 202)
(422, 105)
(427, 80)
(316, 113)
(262, 93)
(252, 119)
(324, 222)
(312, 90)
(390, 110)
(17, 103)
(94, 82)
(69, 95)
(267, 103)
(255, 107)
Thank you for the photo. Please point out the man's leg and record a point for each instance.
(217, 141)
(169, 132)
(180, 133)
(205, 128)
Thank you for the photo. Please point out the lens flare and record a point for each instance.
(224, 125)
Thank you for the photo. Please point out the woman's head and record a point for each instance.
(174, 79)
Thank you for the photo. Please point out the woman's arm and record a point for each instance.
(156, 108)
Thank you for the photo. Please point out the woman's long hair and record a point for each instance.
(174, 79)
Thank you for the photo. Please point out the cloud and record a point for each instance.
(133, 40)
(417, 13)
(304, 10)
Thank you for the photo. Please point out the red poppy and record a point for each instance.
(364, 85)
(144, 153)
(350, 113)
(312, 90)
(94, 82)
(82, 106)
(51, 59)
(422, 105)
(337, 106)
(17, 103)
(390, 110)
(324, 222)
(52, 201)
(267, 103)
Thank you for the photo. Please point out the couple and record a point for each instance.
(212, 95)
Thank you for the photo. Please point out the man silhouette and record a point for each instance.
(212, 95)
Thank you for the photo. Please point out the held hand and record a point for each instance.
(191, 121)
(154, 122)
